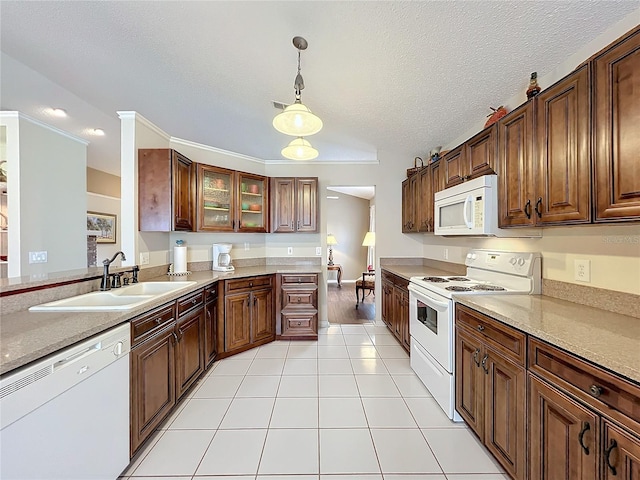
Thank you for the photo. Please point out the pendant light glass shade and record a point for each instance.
(299, 149)
(297, 120)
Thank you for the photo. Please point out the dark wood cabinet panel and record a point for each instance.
(404, 318)
(262, 315)
(563, 134)
(515, 154)
(481, 153)
(153, 388)
(616, 116)
(424, 208)
(189, 352)
(297, 306)
(387, 302)
(621, 453)
(469, 380)
(299, 324)
(294, 205)
(210, 325)
(563, 435)
(437, 177)
(410, 202)
(166, 191)
(505, 412)
(237, 312)
(455, 168)
(395, 307)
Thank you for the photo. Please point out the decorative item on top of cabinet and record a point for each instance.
(166, 191)
(495, 115)
(416, 168)
(490, 381)
(534, 88)
(231, 201)
(474, 158)
(297, 307)
(616, 130)
(395, 307)
(249, 315)
(294, 205)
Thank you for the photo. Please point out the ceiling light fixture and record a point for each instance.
(58, 112)
(296, 119)
(98, 132)
(299, 149)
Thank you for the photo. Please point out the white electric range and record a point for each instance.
(431, 312)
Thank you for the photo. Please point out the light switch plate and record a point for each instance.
(582, 270)
(318, 251)
(144, 258)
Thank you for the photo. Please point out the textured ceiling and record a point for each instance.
(400, 77)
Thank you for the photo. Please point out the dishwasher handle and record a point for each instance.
(76, 357)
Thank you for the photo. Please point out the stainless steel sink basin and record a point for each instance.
(124, 298)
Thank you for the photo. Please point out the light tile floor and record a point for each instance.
(346, 407)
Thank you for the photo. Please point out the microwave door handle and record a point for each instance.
(467, 203)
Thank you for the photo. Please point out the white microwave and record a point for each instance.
(471, 208)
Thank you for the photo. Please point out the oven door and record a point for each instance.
(431, 324)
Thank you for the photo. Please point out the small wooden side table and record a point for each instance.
(337, 267)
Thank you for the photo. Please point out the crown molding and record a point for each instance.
(22, 116)
(188, 143)
(132, 115)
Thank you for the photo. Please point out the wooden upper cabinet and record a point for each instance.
(515, 152)
(410, 204)
(252, 203)
(294, 205)
(455, 170)
(481, 153)
(616, 123)
(437, 177)
(166, 191)
(424, 208)
(563, 134)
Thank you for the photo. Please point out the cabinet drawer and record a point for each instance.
(210, 292)
(232, 286)
(302, 278)
(299, 323)
(190, 301)
(590, 383)
(396, 280)
(149, 323)
(507, 340)
(299, 295)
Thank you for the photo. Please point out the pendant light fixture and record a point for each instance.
(296, 119)
(299, 149)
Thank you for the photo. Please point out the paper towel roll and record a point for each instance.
(179, 259)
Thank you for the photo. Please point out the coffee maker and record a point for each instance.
(221, 257)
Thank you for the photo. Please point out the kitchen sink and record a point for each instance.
(124, 298)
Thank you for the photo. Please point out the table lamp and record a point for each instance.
(369, 241)
(331, 241)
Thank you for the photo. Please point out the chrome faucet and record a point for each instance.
(105, 284)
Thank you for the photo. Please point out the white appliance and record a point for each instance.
(67, 416)
(431, 312)
(471, 208)
(222, 258)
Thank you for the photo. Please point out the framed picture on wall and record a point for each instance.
(104, 224)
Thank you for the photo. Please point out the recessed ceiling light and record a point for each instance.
(332, 197)
(98, 132)
(58, 112)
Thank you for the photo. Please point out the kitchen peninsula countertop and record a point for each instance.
(408, 271)
(28, 336)
(608, 339)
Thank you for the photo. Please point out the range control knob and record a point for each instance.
(468, 255)
(520, 261)
(512, 260)
(473, 256)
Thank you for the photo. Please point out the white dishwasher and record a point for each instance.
(67, 416)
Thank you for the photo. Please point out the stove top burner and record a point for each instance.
(489, 288)
(456, 288)
(458, 279)
(435, 279)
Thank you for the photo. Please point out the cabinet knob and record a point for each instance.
(194, 301)
(158, 320)
(299, 323)
(481, 328)
(595, 390)
(299, 299)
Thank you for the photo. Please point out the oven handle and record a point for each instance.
(430, 302)
(467, 201)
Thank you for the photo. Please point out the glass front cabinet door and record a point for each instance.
(216, 197)
(252, 203)
(231, 201)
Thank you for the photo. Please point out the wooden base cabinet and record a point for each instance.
(621, 453)
(210, 324)
(298, 306)
(395, 307)
(491, 386)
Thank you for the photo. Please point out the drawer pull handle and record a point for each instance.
(607, 456)
(585, 428)
(484, 363)
(175, 337)
(299, 299)
(527, 209)
(481, 328)
(194, 301)
(475, 356)
(158, 320)
(299, 323)
(595, 390)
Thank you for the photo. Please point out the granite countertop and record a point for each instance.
(608, 339)
(408, 271)
(28, 336)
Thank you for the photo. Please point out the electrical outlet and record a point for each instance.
(247, 246)
(582, 270)
(446, 254)
(38, 257)
(144, 258)
(318, 251)
(289, 250)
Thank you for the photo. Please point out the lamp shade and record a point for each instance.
(297, 120)
(299, 149)
(369, 239)
(331, 240)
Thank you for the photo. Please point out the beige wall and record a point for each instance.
(348, 221)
